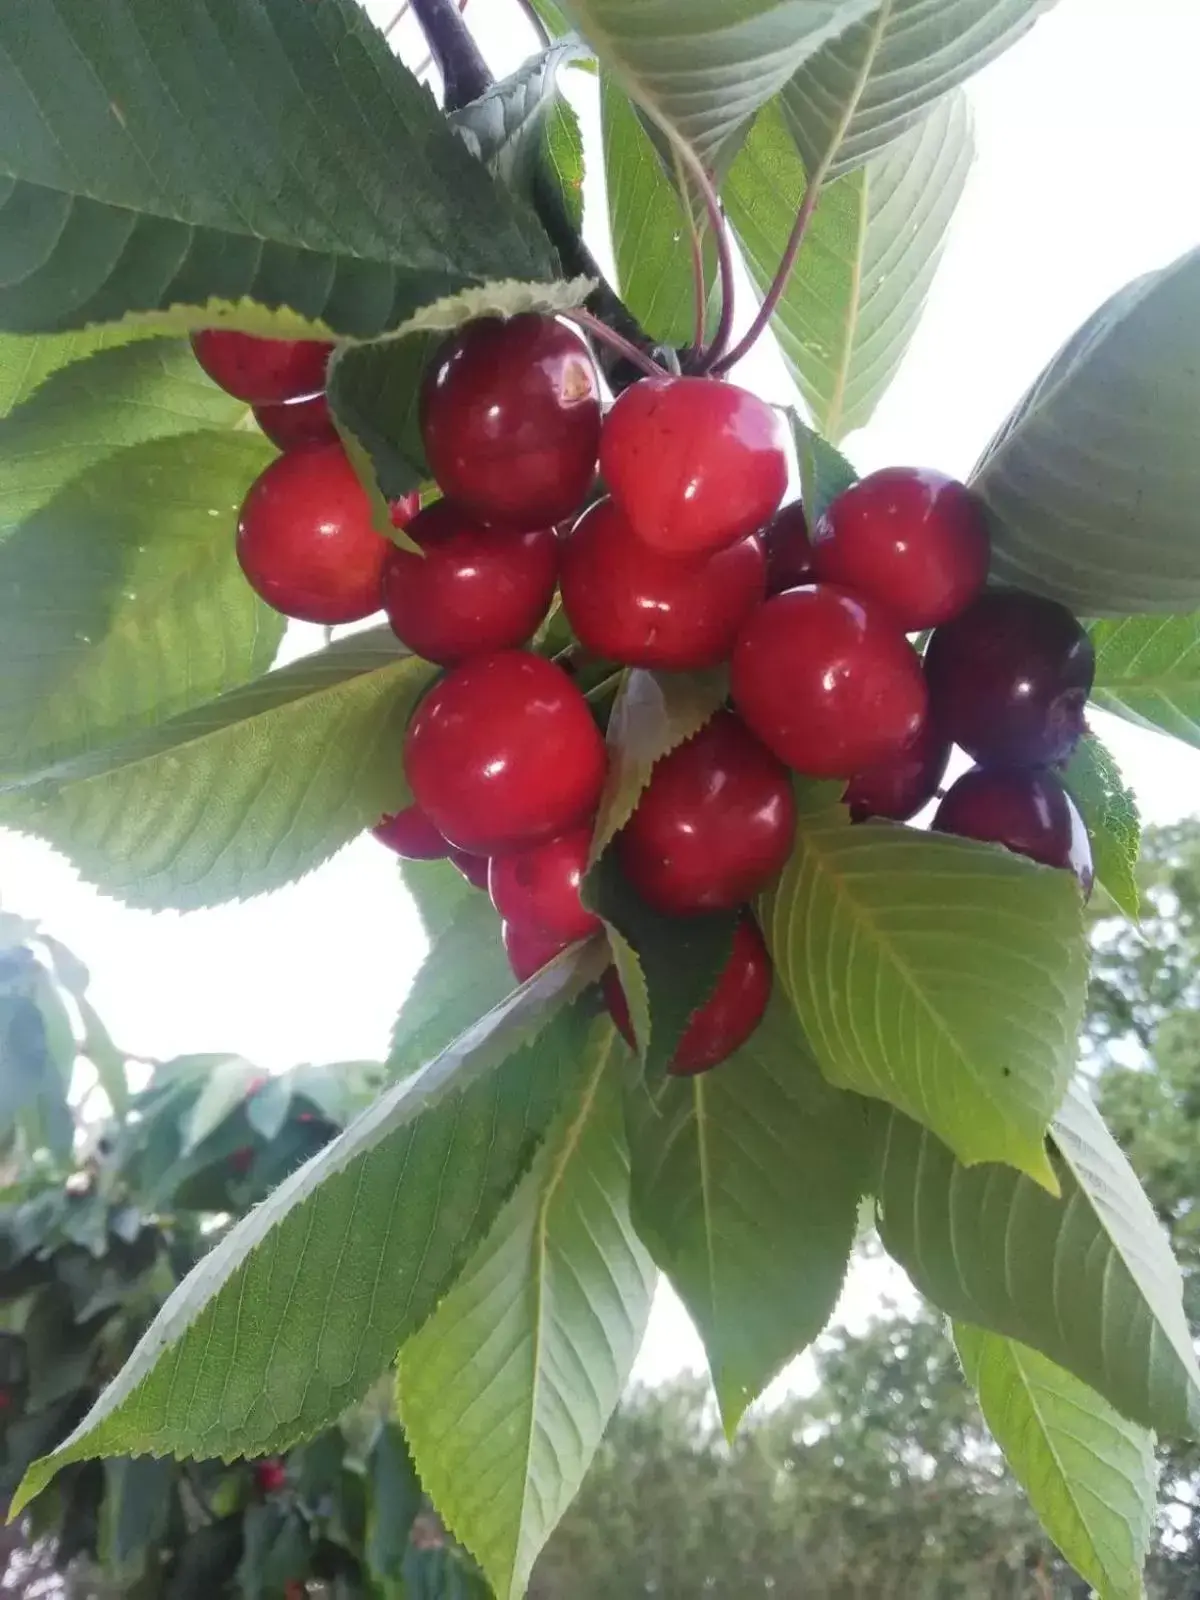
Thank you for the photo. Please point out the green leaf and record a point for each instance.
(441, 1003)
(271, 157)
(853, 304)
(506, 127)
(824, 471)
(1087, 1278)
(396, 1498)
(223, 1092)
(137, 1502)
(1110, 812)
(26, 362)
(746, 1185)
(863, 91)
(941, 975)
(563, 154)
(1148, 671)
(121, 601)
(90, 410)
(305, 1301)
(1090, 1475)
(439, 892)
(1092, 482)
(507, 1389)
(242, 794)
(700, 69)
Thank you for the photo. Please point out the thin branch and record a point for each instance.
(397, 19)
(716, 221)
(464, 71)
(774, 294)
(615, 341)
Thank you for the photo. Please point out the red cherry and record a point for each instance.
(411, 835)
(270, 1476)
(474, 590)
(503, 753)
(305, 539)
(292, 423)
(261, 371)
(1028, 812)
(627, 603)
(788, 549)
(241, 1160)
(1010, 677)
(714, 825)
(828, 681)
(913, 539)
(695, 464)
(473, 868)
(510, 416)
(900, 787)
(538, 889)
(727, 1019)
(529, 949)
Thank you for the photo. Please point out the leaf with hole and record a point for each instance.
(241, 794)
(746, 1186)
(1148, 671)
(1110, 814)
(1091, 484)
(941, 975)
(853, 304)
(507, 1389)
(235, 158)
(304, 1302)
(122, 603)
(1090, 1475)
(1087, 1278)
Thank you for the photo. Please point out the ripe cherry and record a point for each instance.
(529, 949)
(788, 549)
(695, 464)
(411, 835)
(628, 603)
(714, 825)
(261, 371)
(1027, 811)
(1010, 677)
(474, 590)
(292, 423)
(828, 681)
(473, 868)
(900, 787)
(270, 1476)
(503, 753)
(305, 539)
(727, 1018)
(510, 416)
(913, 539)
(538, 889)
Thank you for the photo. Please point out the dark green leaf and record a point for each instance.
(137, 1500)
(1111, 814)
(746, 1185)
(374, 390)
(396, 1497)
(1148, 671)
(121, 601)
(506, 128)
(304, 1302)
(824, 470)
(252, 153)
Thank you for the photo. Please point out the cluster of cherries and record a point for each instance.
(686, 562)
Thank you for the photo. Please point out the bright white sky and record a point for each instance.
(1086, 133)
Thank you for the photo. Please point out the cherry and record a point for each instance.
(727, 1018)
(305, 539)
(510, 416)
(1027, 811)
(503, 753)
(695, 464)
(474, 590)
(291, 423)
(473, 868)
(538, 889)
(1010, 677)
(411, 835)
(241, 1160)
(628, 603)
(714, 824)
(261, 371)
(788, 549)
(828, 682)
(270, 1476)
(914, 539)
(529, 949)
(900, 787)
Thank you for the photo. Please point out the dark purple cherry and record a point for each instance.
(1029, 812)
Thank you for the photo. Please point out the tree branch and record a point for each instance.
(464, 71)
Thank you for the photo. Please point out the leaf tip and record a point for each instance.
(37, 1476)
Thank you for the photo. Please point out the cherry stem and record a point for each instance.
(774, 294)
(397, 19)
(716, 221)
(700, 289)
(464, 71)
(616, 341)
(535, 22)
